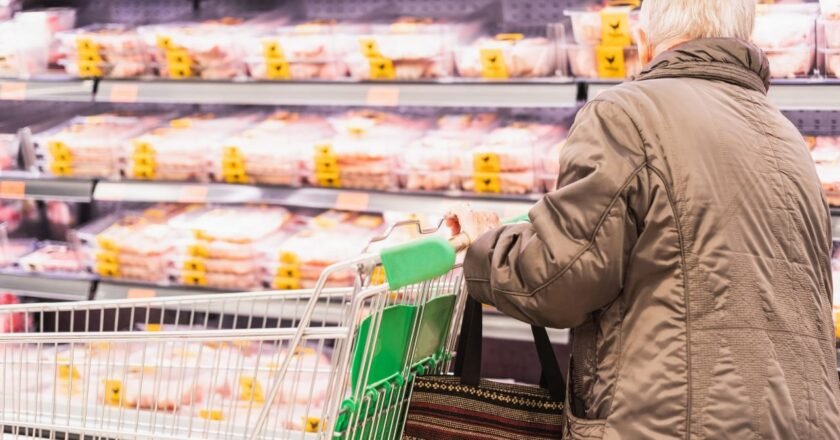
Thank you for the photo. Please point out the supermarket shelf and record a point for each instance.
(787, 94)
(352, 200)
(453, 94)
(41, 286)
(51, 88)
(21, 185)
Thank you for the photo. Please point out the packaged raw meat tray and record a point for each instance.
(506, 160)
(363, 152)
(90, 146)
(177, 151)
(787, 33)
(273, 152)
(604, 63)
(507, 56)
(52, 257)
(23, 50)
(311, 50)
(408, 49)
(109, 50)
(587, 23)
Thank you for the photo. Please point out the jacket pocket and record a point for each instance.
(584, 429)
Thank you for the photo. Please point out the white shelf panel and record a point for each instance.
(48, 89)
(45, 287)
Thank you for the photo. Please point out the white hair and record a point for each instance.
(669, 20)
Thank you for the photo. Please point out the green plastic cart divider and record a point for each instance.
(391, 347)
(417, 261)
(434, 327)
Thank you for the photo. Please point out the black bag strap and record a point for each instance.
(468, 358)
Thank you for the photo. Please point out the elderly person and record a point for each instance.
(687, 244)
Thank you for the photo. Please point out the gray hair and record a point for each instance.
(668, 20)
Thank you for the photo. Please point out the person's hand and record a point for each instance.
(463, 221)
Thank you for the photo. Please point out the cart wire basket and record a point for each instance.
(326, 363)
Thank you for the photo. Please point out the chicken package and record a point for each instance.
(133, 245)
(90, 146)
(787, 32)
(52, 258)
(238, 229)
(363, 152)
(408, 49)
(507, 56)
(11, 251)
(430, 163)
(296, 262)
(588, 23)
(604, 62)
(54, 20)
(109, 50)
(830, 23)
(305, 382)
(207, 50)
(506, 160)
(312, 50)
(178, 151)
(272, 152)
(24, 49)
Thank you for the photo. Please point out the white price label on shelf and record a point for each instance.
(13, 90)
(123, 93)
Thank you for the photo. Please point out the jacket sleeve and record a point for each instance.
(570, 260)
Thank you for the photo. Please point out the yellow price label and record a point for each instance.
(194, 279)
(107, 257)
(610, 60)
(61, 168)
(198, 251)
(277, 68)
(326, 163)
(288, 271)
(164, 42)
(181, 123)
(66, 157)
(113, 392)
(289, 258)
(144, 160)
(312, 424)
(107, 243)
(382, 68)
(66, 372)
(108, 270)
(211, 414)
(282, 283)
(154, 327)
(84, 44)
(88, 69)
(143, 172)
(57, 147)
(250, 389)
(328, 180)
(378, 276)
(201, 235)
(178, 71)
(369, 48)
(615, 28)
(273, 50)
(236, 177)
(487, 183)
(487, 163)
(142, 147)
(194, 265)
(178, 57)
(493, 64)
(89, 57)
(324, 149)
(231, 151)
(233, 164)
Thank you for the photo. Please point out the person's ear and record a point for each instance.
(645, 50)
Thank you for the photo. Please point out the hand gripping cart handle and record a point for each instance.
(321, 363)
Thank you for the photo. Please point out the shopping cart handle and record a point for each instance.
(417, 261)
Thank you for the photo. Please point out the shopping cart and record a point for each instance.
(326, 363)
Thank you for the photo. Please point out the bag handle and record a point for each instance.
(468, 358)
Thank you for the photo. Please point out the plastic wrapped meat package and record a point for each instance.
(787, 34)
(111, 51)
(296, 262)
(52, 257)
(364, 151)
(832, 62)
(90, 146)
(12, 250)
(272, 152)
(178, 151)
(208, 50)
(134, 246)
(431, 163)
(220, 245)
(506, 161)
(610, 63)
(24, 50)
(587, 23)
(408, 49)
(826, 155)
(312, 50)
(53, 20)
(522, 57)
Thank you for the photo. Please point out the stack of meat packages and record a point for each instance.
(219, 382)
(826, 153)
(604, 45)
(830, 39)
(114, 51)
(509, 159)
(90, 146)
(787, 33)
(296, 261)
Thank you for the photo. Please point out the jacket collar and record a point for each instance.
(719, 59)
